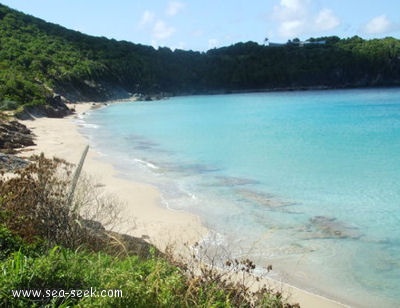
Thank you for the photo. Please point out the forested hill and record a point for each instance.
(38, 59)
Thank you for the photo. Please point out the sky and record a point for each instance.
(201, 25)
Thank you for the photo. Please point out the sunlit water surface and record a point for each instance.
(306, 181)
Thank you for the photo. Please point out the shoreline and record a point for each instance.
(140, 203)
(145, 216)
(166, 95)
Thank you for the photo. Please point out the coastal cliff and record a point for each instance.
(40, 60)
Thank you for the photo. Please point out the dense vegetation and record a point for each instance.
(48, 245)
(38, 58)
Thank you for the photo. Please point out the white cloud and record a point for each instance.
(154, 44)
(212, 43)
(159, 29)
(162, 31)
(174, 8)
(147, 18)
(326, 20)
(289, 9)
(377, 25)
(297, 17)
(291, 16)
(291, 28)
(295, 5)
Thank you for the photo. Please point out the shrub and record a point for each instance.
(55, 270)
(8, 105)
(35, 204)
(8, 242)
(144, 283)
(212, 282)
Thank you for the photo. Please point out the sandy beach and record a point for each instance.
(143, 213)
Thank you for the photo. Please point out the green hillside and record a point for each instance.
(38, 59)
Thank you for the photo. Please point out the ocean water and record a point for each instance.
(306, 181)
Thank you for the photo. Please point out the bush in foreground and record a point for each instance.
(132, 282)
(46, 245)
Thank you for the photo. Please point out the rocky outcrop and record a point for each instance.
(55, 108)
(116, 243)
(330, 227)
(91, 91)
(14, 135)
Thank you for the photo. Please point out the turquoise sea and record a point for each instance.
(306, 181)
